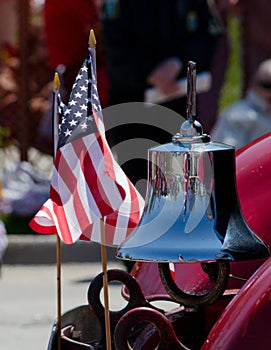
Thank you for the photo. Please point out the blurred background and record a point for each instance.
(25, 93)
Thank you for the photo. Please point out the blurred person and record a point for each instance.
(8, 27)
(255, 26)
(209, 101)
(249, 118)
(148, 45)
(39, 82)
(67, 25)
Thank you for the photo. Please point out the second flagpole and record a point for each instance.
(92, 45)
(58, 242)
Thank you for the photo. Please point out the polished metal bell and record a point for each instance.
(192, 213)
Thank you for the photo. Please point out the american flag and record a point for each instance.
(87, 183)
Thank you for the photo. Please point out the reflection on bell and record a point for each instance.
(192, 211)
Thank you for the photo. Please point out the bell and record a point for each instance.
(192, 213)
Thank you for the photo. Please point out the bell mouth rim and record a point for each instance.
(219, 257)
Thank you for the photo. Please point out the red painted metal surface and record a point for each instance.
(245, 323)
(253, 179)
(189, 277)
(167, 341)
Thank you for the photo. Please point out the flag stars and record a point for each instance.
(78, 114)
(84, 126)
(83, 88)
(68, 132)
(63, 121)
(72, 103)
(78, 95)
(95, 97)
(84, 98)
(73, 122)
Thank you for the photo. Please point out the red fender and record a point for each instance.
(253, 180)
(245, 322)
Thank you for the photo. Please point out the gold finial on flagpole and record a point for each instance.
(92, 40)
(56, 82)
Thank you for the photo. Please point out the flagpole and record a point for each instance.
(92, 45)
(58, 259)
(58, 243)
(105, 285)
